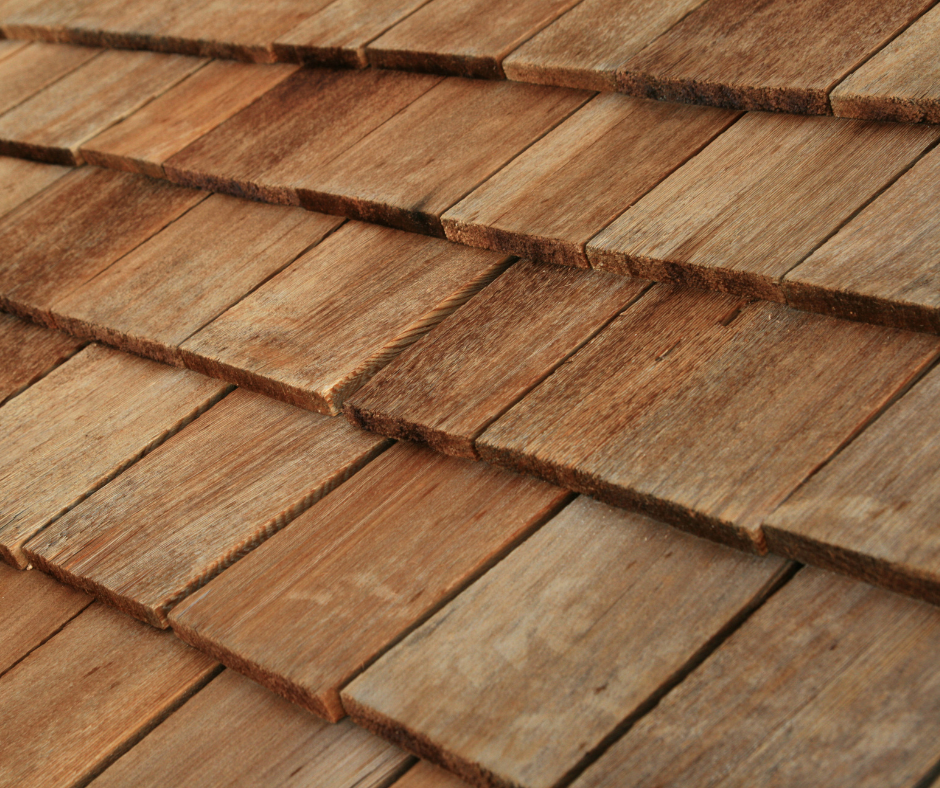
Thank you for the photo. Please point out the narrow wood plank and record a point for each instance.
(580, 629)
(87, 695)
(200, 502)
(432, 154)
(183, 114)
(79, 427)
(321, 328)
(28, 352)
(75, 229)
(451, 385)
(310, 608)
(780, 55)
(593, 166)
(165, 290)
(758, 201)
(21, 179)
(704, 410)
(53, 124)
(28, 70)
(426, 775)
(829, 684)
(296, 128)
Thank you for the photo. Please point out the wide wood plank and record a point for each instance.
(165, 290)
(320, 329)
(757, 201)
(31, 68)
(548, 202)
(310, 608)
(21, 179)
(829, 684)
(705, 410)
(780, 55)
(89, 694)
(79, 427)
(28, 352)
(450, 386)
(577, 631)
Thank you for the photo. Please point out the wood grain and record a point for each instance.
(548, 202)
(758, 201)
(82, 425)
(21, 179)
(31, 68)
(165, 290)
(437, 150)
(779, 55)
(8, 48)
(310, 608)
(320, 329)
(447, 388)
(704, 410)
(28, 352)
(580, 629)
(427, 775)
(183, 114)
(828, 684)
(87, 695)
(37, 20)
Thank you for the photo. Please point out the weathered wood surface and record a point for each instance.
(555, 196)
(451, 385)
(437, 150)
(28, 352)
(183, 114)
(21, 179)
(87, 695)
(577, 631)
(315, 604)
(79, 427)
(29, 69)
(704, 410)
(296, 128)
(199, 502)
(8, 48)
(54, 123)
(780, 55)
(75, 229)
(165, 290)
(829, 684)
(758, 201)
(39, 20)
(321, 328)
(427, 775)
(237, 733)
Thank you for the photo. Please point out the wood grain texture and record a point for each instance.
(828, 684)
(901, 82)
(882, 266)
(580, 629)
(53, 124)
(183, 114)
(21, 179)
(779, 55)
(321, 328)
(758, 201)
(296, 128)
(37, 20)
(437, 150)
(28, 352)
(549, 201)
(75, 229)
(310, 608)
(82, 425)
(446, 389)
(426, 775)
(88, 694)
(31, 68)
(704, 410)
(236, 733)
(8, 48)
(165, 290)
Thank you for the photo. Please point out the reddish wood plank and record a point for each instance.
(28, 352)
(21, 179)
(38, 20)
(31, 68)
(427, 775)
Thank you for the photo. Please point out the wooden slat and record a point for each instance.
(183, 114)
(75, 229)
(30, 69)
(450, 386)
(427, 775)
(21, 179)
(87, 695)
(296, 128)
(758, 201)
(8, 48)
(578, 630)
(831, 683)
(311, 607)
(39, 20)
(704, 410)
(432, 154)
(27, 352)
(165, 290)
(781, 55)
(79, 427)
(548, 203)
(199, 502)
(320, 329)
